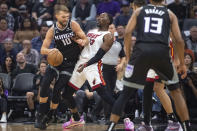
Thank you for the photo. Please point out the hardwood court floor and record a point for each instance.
(58, 127)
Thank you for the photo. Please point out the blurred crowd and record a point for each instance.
(23, 26)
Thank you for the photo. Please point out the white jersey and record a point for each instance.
(95, 41)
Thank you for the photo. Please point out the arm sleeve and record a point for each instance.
(100, 53)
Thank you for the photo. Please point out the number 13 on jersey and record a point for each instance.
(153, 25)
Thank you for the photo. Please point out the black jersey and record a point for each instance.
(69, 48)
(153, 25)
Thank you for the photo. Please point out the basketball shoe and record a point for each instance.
(174, 126)
(73, 123)
(144, 127)
(129, 126)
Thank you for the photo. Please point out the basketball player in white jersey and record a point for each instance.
(89, 65)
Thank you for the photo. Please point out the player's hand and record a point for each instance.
(24, 51)
(182, 70)
(54, 49)
(80, 42)
(81, 67)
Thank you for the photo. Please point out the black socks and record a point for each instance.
(43, 108)
(172, 117)
(186, 126)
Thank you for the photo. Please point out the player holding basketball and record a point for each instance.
(89, 65)
(63, 32)
(153, 23)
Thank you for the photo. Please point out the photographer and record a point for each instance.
(3, 102)
(189, 84)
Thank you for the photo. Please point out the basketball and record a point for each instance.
(55, 58)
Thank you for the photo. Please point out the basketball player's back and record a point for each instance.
(153, 25)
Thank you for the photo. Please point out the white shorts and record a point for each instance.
(92, 73)
(152, 74)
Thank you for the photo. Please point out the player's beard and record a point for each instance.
(62, 24)
(98, 24)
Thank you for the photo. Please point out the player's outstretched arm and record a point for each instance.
(82, 40)
(179, 43)
(108, 40)
(128, 33)
(47, 42)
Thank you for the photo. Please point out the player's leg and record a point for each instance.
(95, 79)
(71, 104)
(44, 92)
(135, 75)
(180, 105)
(147, 101)
(74, 84)
(165, 100)
(60, 83)
(166, 71)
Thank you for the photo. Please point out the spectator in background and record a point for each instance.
(27, 32)
(22, 66)
(189, 84)
(125, 15)
(4, 31)
(14, 6)
(180, 10)
(34, 95)
(5, 2)
(191, 41)
(84, 13)
(8, 50)
(4, 13)
(23, 13)
(109, 6)
(189, 59)
(36, 42)
(120, 31)
(8, 65)
(67, 3)
(3, 102)
(43, 11)
(31, 55)
(193, 12)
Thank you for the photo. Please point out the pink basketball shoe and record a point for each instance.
(129, 126)
(73, 123)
